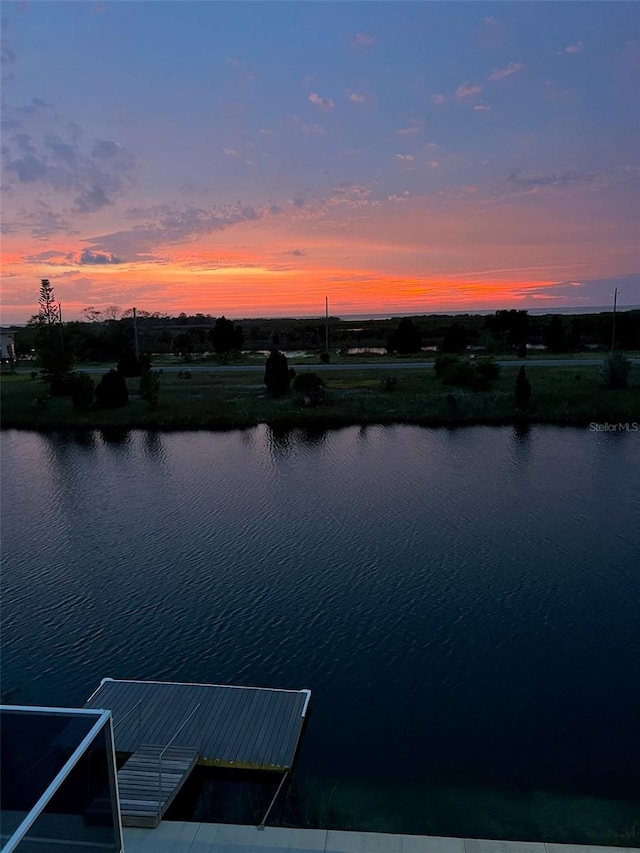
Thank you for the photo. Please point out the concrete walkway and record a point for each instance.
(174, 837)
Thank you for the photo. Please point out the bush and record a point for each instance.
(276, 374)
(388, 382)
(442, 362)
(615, 371)
(522, 390)
(325, 358)
(487, 368)
(311, 387)
(522, 350)
(464, 375)
(150, 387)
(130, 365)
(111, 391)
(60, 384)
(82, 388)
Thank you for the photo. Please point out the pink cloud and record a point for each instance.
(574, 48)
(357, 98)
(438, 99)
(482, 107)
(466, 90)
(507, 71)
(321, 103)
(363, 40)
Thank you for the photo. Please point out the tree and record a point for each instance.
(225, 336)
(455, 339)
(277, 376)
(150, 387)
(522, 390)
(406, 339)
(511, 326)
(112, 391)
(311, 387)
(615, 371)
(55, 359)
(82, 388)
(555, 335)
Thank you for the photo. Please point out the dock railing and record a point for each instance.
(137, 706)
(177, 732)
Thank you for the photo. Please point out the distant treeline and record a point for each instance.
(102, 338)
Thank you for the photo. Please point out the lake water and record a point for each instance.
(464, 605)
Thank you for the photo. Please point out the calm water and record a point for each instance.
(463, 604)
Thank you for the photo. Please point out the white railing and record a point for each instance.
(138, 705)
(178, 730)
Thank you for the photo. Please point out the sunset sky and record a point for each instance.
(251, 158)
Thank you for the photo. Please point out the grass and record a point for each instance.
(233, 400)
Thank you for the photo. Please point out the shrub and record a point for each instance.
(111, 391)
(150, 387)
(463, 374)
(615, 371)
(325, 358)
(522, 350)
(442, 362)
(130, 365)
(388, 382)
(82, 388)
(276, 374)
(60, 384)
(522, 389)
(311, 387)
(487, 368)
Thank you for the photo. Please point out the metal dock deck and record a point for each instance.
(252, 728)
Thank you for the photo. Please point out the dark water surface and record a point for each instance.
(464, 605)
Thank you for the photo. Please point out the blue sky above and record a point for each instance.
(240, 124)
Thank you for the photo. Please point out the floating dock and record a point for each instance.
(166, 728)
(248, 728)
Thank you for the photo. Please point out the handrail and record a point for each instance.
(138, 705)
(130, 711)
(161, 756)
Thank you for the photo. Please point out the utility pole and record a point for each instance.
(326, 326)
(613, 329)
(60, 323)
(135, 333)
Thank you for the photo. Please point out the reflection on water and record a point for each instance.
(463, 604)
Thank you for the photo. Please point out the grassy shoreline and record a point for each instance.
(216, 401)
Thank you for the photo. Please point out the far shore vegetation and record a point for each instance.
(48, 381)
(226, 400)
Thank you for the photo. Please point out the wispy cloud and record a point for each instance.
(231, 152)
(357, 97)
(551, 179)
(482, 107)
(363, 40)
(321, 103)
(466, 90)
(509, 69)
(405, 156)
(297, 252)
(415, 126)
(574, 48)
(235, 63)
(438, 99)
(265, 131)
(433, 164)
(492, 32)
(312, 129)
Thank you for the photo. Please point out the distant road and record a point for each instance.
(380, 365)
